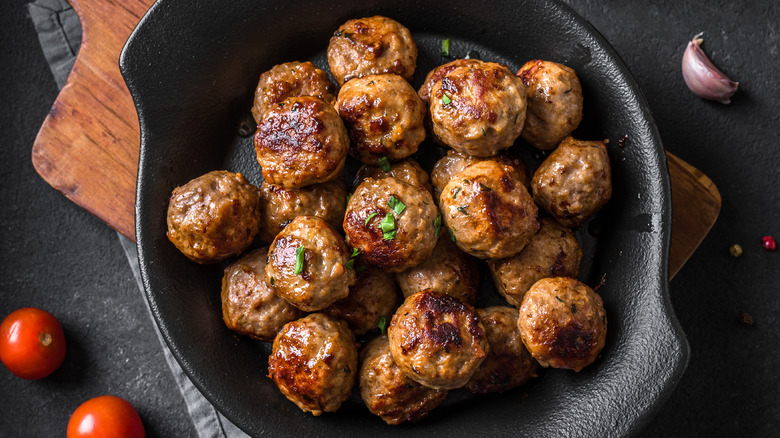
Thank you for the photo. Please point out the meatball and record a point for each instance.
(552, 252)
(249, 307)
(563, 323)
(314, 363)
(280, 206)
(478, 109)
(554, 97)
(437, 340)
(408, 171)
(391, 223)
(455, 162)
(301, 141)
(574, 182)
(371, 46)
(307, 264)
(213, 217)
(374, 296)
(438, 73)
(384, 117)
(388, 392)
(448, 270)
(488, 211)
(291, 79)
(509, 364)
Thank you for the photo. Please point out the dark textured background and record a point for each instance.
(58, 257)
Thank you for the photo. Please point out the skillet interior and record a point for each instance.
(192, 67)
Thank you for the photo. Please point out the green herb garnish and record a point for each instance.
(437, 224)
(350, 263)
(463, 210)
(384, 164)
(484, 132)
(397, 206)
(445, 99)
(370, 216)
(272, 281)
(455, 192)
(388, 227)
(452, 235)
(484, 188)
(556, 297)
(360, 268)
(382, 324)
(445, 48)
(299, 260)
(355, 253)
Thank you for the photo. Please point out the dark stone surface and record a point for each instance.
(59, 257)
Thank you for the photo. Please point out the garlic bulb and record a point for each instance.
(702, 77)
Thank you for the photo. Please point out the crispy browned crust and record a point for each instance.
(438, 73)
(373, 296)
(408, 171)
(291, 79)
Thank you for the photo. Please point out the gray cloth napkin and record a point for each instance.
(59, 32)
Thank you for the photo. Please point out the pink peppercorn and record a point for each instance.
(769, 243)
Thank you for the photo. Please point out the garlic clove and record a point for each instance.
(702, 77)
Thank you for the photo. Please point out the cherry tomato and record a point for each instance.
(105, 416)
(32, 344)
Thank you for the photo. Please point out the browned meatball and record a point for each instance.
(488, 211)
(554, 98)
(563, 323)
(314, 363)
(374, 296)
(280, 206)
(388, 392)
(509, 364)
(448, 270)
(291, 79)
(301, 141)
(438, 73)
(307, 264)
(249, 307)
(384, 117)
(371, 46)
(552, 252)
(437, 340)
(391, 223)
(455, 162)
(408, 171)
(213, 217)
(478, 109)
(574, 182)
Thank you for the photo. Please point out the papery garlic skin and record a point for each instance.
(702, 77)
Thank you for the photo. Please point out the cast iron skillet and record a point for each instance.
(191, 67)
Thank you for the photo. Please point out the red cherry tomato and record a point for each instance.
(105, 416)
(32, 344)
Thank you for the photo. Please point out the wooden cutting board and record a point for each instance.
(88, 145)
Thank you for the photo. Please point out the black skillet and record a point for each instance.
(191, 67)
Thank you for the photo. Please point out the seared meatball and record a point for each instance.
(455, 162)
(314, 363)
(563, 323)
(214, 216)
(438, 73)
(574, 182)
(373, 296)
(301, 141)
(554, 98)
(307, 264)
(408, 171)
(488, 211)
(280, 206)
(384, 117)
(478, 109)
(509, 364)
(437, 340)
(448, 270)
(371, 46)
(552, 252)
(387, 391)
(391, 223)
(291, 79)
(249, 307)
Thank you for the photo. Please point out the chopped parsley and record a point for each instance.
(351, 262)
(397, 206)
(452, 235)
(455, 192)
(382, 324)
(463, 210)
(445, 48)
(299, 260)
(557, 298)
(388, 227)
(384, 164)
(484, 132)
(437, 224)
(272, 281)
(445, 99)
(484, 188)
(370, 216)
